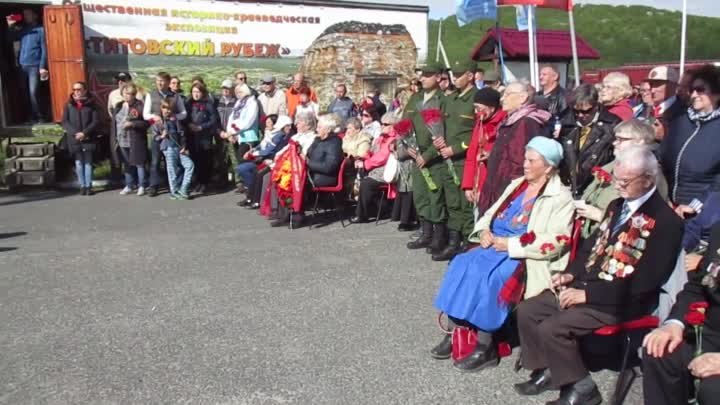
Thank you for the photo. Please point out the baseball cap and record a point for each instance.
(123, 76)
(464, 66)
(227, 84)
(268, 79)
(664, 73)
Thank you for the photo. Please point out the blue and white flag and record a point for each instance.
(468, 11)
(521, 17)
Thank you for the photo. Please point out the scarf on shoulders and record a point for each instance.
(697, 116)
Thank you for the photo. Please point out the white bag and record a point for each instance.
(392, 169)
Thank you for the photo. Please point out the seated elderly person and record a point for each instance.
(323, 159)
(670, 363)
(616, 276)
(526, 228)
(598, 195)
(373, 166)
(356, 143)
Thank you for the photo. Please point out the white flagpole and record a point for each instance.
(535, 45)
(531, 46)
(683, 38)
(573, 42)
(439, 41)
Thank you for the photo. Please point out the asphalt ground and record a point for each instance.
(137, 300)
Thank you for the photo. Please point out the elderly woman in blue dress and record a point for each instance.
(523, 239)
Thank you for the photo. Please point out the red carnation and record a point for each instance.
(403, 127)
(601, 175)
(234, 127)
(699, 306)
(431, 116)
(695, 318)
(547, 248)
(527, 238)
(563, 239)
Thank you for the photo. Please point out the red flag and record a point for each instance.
(559, 4)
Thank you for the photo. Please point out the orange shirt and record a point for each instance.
(293, 99)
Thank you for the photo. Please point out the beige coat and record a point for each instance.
(356, 146)
(551, 216)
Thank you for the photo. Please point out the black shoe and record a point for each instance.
(407, 227)
(443, 350)
(439, 240)
(89, 191)
(570, 396)
(200, 189)
(297, 221)
(280, 222)
(453, 248)
(152, 192)
(245, 203)
(538, 383)
(482, 358)
(82, 191)
(358, 220)
(424, 240)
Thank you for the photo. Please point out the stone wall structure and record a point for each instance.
(363, 57)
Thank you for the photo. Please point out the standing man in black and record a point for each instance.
(668, 363)
(551, 90)
(616, 276)
(151, 113)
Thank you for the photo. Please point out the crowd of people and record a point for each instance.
(577, 208)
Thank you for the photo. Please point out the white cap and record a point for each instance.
(282, 122)
(227, 84)
(664, 73)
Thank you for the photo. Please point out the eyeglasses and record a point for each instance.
(620, 139)
(624, 183)
(266, 83)
(242, 78)
(583, 112)
(78, 89)
(385, 124)
(698, 89)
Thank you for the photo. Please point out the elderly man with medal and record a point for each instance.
(617, 275)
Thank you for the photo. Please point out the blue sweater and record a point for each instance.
(32, 46)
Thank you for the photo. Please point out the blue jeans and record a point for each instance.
(172, 156)
(132, 173)
(246, 171)
(32, 78)
(83, 169)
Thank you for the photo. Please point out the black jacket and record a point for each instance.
(203, 114)
(695, 291)
(324, 157)
(637, 294)
(576, 167)
(557, 101)
(81, 118)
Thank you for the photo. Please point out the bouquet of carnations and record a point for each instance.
(404, 130)
(433, 118)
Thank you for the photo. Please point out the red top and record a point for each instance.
(483, 138)
(622, 109)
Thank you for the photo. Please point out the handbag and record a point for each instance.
(392, 169)
(464, 341)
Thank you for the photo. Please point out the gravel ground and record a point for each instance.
(133, 300)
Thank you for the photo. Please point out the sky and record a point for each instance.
(443, 8)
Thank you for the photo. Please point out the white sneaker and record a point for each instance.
(127, 190)
(141, 191)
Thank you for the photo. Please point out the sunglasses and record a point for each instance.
(242, 78)
(385, 124)
(698, 89)
(583, 112)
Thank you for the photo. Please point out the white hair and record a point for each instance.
(329, 121)
(636, 129)
(640, 159)
(620, 81)
(308, 118)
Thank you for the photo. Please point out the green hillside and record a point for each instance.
(622, 34)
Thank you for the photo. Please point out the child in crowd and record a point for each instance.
(173, 145)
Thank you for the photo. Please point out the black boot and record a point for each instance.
(578, 394)
(443, 350)
(424, 239)
(483, 357)
(538, 383)
(439, 240)
(453, 248)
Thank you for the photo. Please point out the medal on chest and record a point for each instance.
(620, 259)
